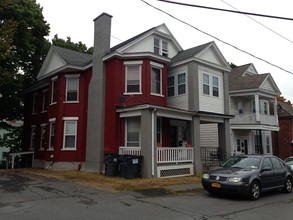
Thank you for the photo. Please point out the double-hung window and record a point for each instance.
(160, 47)
(33, 137)
(52, 134)
(133, 77)
(70, 133)
(72, 84)
(133, 131)
(210, 85)
(43, 137)
(45, 101)
(181, 83)
(206, 84)
(156, 78)
(54, 90)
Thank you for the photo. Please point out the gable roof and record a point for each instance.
(241, 80)
(160, 30)
(197, 52)
(284, 110)
(59, 59)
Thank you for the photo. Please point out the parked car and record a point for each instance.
(289, 161)
(249, 175)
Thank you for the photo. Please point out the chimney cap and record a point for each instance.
(103, 14)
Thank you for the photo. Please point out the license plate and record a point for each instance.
(216, 185)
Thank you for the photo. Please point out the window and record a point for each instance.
(215, 86)
(171, 86)
(34, 111)
(43, 137)
(268, 143)
(206, 84)
(45, 101)
(72, 83)
(264, 107)
(133, 130)
(54, 90)
(276, 163)
(210, 84)
(133, 77)
(52, 134)
(267, 163)
(70, 128)
(156, 78)
(240, 107)
(181, 84)
(160, 47)
(33, 138)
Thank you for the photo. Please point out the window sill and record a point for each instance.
(159, 95)
(50, 149)
(134, 93)
(70, 102)
(68, 149)
(53, 103)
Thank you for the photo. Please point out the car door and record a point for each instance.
(267, 173)
(280, 172)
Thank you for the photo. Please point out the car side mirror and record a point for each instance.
(266, 169)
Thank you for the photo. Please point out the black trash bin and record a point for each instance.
(111, 165)
(130, 166)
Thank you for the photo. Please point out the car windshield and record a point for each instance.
(243, 162)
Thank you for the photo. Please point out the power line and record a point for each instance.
(224, 42)
(260, 23)
(226, 10)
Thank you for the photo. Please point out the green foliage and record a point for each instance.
(71, 45)
(232, 65)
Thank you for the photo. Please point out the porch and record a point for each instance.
(171, 161)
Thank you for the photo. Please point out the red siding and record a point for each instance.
(115, 89)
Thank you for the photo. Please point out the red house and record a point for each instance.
(146, 96)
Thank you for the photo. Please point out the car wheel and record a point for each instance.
(288, 185)
(254, 190)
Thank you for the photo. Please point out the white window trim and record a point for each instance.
(175, 75)
(54, 79)
(41, 145)
(33, 127)
(161, 50)
(211, 75)
(70, 119)
(177, 84)
(129, 63)
(67, 76)
(160, 67)
(43, 103)
(126, 132)
(50, 148)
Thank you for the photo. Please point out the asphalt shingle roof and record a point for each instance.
(238, 82)
(285, 110)
(72, 57)
(191, 52)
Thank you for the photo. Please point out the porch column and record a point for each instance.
(148, 140)
(224, 138)
(257, 109)
(196, 145)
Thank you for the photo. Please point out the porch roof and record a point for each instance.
(161, 111)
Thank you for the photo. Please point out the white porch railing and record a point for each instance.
(164, 154)
(251, 119)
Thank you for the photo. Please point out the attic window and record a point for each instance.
(160, 47)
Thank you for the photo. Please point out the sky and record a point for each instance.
(265, 38)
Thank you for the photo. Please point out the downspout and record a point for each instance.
(153, 141)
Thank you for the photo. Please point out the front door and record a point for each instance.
(174, 136)
(242, 145)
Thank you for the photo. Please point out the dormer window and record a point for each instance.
(160, 47)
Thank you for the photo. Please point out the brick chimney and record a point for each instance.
(96, 95)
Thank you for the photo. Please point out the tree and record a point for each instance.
(23, 48)
(284, 100)
(71, 45)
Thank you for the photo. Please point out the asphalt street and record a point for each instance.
(25, 196)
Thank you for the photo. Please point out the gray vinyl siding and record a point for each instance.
(209, 135)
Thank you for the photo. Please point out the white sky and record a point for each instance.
(74, 18)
